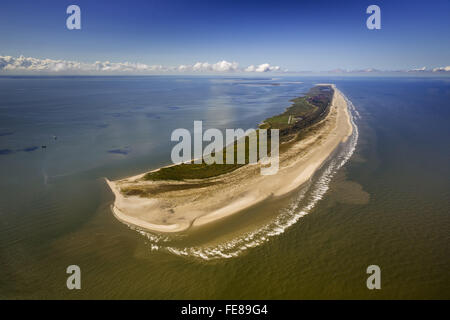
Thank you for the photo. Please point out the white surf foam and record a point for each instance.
(305, 201)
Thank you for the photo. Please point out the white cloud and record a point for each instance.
(221, 66)
(8, 63)
(424, 69)
(265, 67)
(225, 66)
(419, 69)
(442, 69)
(183, 68)
(367, 70)
(21, 64)
(199, 66)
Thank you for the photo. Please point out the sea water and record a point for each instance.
(382, 198)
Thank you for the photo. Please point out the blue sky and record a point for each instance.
(295, 35)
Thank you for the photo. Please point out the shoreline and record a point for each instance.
(178, 211)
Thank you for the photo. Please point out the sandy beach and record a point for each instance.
(215, 198)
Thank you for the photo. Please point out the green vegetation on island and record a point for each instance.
(302, 114)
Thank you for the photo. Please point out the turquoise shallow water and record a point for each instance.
(388, 205)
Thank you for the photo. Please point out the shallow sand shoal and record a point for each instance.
(178, 210)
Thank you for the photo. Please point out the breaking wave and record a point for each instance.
(303, 203)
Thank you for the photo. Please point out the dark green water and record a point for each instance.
(388, 205)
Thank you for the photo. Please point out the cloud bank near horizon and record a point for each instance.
(30, 65)
(10, 64)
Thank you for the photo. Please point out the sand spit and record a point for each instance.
(219, 197)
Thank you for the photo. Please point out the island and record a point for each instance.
(179, 197)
